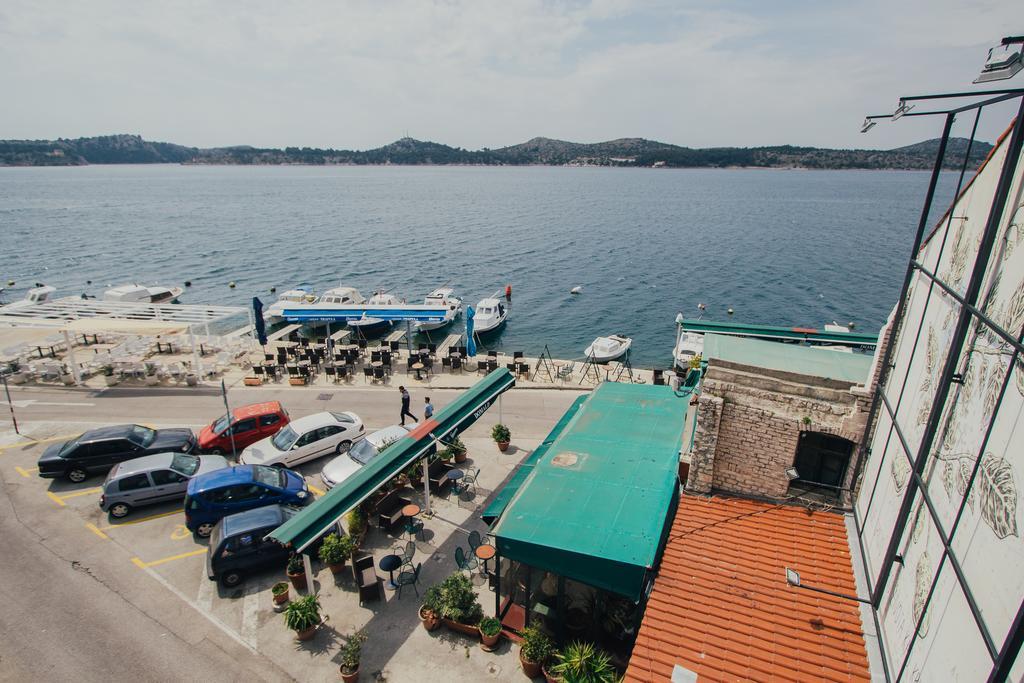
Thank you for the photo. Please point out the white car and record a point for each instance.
(344, 466)
(305, 439)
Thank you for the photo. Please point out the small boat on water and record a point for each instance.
(491, 314)
(442, 296)
(368, 325)
(605, 349)
(36, 295)
(688, 346)
(300, 296)
(140, 294)
(342, 296)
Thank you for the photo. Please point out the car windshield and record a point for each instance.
(141, 436)
(185, 464)
(363, 452)
(271, 476)
(284, 439)
(220, 425)
(69, 446)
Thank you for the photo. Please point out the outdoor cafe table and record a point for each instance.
(453, 476)
(418, 367)
(485, 552)
(390, 563)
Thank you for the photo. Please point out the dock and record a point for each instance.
(283, 333)
(395, 336)
(449, 341)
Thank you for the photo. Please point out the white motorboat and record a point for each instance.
(36, 295)
(442, 296)
(140, 294)
(368, 325)
(688, 346)
(293, 297)
(342, 296)
(605, 349)
(490, 314)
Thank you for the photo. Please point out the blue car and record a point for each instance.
(224, 492)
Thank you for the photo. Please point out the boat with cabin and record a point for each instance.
(300, 296)
(368, 325)
(490, 315)
(442, 296)
(141, 294)
(606, 349)
(34, 296)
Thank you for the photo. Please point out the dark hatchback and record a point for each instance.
(238, 546)
(97, 450)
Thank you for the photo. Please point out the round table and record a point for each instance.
(390, 563)
(418, 367)
(411, 510)
(485, 552)
(377, 364)
(455, 474)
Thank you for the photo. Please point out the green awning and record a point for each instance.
(506, 493)
(595, 506)
(456, 417)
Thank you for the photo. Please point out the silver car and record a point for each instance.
(153, 479)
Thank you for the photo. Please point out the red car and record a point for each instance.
(249, 424)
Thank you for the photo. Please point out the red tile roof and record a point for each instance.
(721, 607)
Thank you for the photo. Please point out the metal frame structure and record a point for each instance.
(59, 311)
(889, 398)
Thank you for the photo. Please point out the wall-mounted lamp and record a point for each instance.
(1004, 61)
(793, 579)
(902, 109)
(867, 125)
(792, 474)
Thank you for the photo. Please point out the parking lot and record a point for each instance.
(154, 543)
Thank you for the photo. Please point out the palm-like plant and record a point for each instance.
(302, 613)
(583, 663)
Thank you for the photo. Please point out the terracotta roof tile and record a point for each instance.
(721, 607)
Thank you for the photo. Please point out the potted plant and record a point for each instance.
(302, 615)
(296, 572)
(535, 650)
(252, 381)
(414, 473)
(581, 661)
(280, 593)
(108, 375)
(191, 379)
(335, 550)
(458, 449)
(350, 653)
(490, 633)
(502, 436)
(459, 608)
(430, 610)
(356, 525)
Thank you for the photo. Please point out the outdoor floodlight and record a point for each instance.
(867, 125)
(792, 473)
(792, 577)
(902, 109)
(1004, 61)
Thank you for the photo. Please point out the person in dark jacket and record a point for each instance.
(405, 406)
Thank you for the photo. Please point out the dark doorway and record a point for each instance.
(823, 459)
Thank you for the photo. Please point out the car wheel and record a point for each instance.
(119, 510)
(231, 578)
(216, 451)
(204, 530)
(343, 447)
(77, 475)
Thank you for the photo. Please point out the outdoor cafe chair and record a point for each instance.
(408, 577)
(395, 346)
(468, 482)
(406, 553)
(516, 355)
(446, 362)
(456, 363)
(474, 539)
(375, 356)
(368, 374)
(378, 373)
(466, 563)
(331, 372)
(432, 349)
(259, 371)
(414, 527)
(659, 377)
(342, 373)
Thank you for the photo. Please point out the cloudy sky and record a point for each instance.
(487, 74)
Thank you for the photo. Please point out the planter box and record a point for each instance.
(297, 381)
(468, 629)
(252, 381)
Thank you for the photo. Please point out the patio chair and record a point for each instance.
(342, 373)
(659, 377)
(474, 540)
(378, 373)
(406, 553)
(469, 481)
(370, 585)
(432, 349)
(375, 356)
(331, 372)
(395, 346)
(368, 374)
(408, 577)
(565, 371)
(516, 355)
(446, 362)
(414, 527)
(456, 363)
(465, 563)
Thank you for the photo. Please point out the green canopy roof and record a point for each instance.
(457, 416)
(802, 360)
(596, 505)
(501, 500)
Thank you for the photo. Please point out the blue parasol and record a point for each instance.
(470, 342)
(261, 324)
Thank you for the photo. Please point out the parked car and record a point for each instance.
(97, 450)
(238, 546)
(305, 439)
(211, 497)
(344, 466)
(153, 479)
(247, 425)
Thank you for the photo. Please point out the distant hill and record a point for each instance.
(132, 149)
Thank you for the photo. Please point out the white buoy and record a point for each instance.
(576, 290)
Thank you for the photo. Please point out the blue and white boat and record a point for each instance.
(442, 296)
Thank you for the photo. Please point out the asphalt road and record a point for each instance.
(75, 610)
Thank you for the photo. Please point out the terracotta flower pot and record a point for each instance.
(349, 677)
(298, 580)
(281, 599)
(550, 678)
(461, 456)
(430, 620)
(307, 634)
(531, 669)
(489, 642)
(458, 627)
(337, 568)
(503, 446)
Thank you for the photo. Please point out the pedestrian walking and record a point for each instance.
(405, 406)
(428, 409)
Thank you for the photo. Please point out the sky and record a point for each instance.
(476, 73)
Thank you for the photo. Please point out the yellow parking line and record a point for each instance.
(26, 473)
(36, 442)
(145, 565)
(96, 530)
(83, 492)
(56, 499)
(315, 490)
(139, 520)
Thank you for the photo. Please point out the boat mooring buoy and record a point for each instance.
(273, 289)
(188, 283)
(231, 284)
(88, 282)
(576, 290)
(730, 311)
(10, 283)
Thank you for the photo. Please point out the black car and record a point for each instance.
(238, 547)
(96, 451)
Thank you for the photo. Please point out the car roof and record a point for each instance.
(257, 518)
(146, 463)
(391, 432)
(313, 421)
(226, 476)
(103, 433)
(257, 409)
